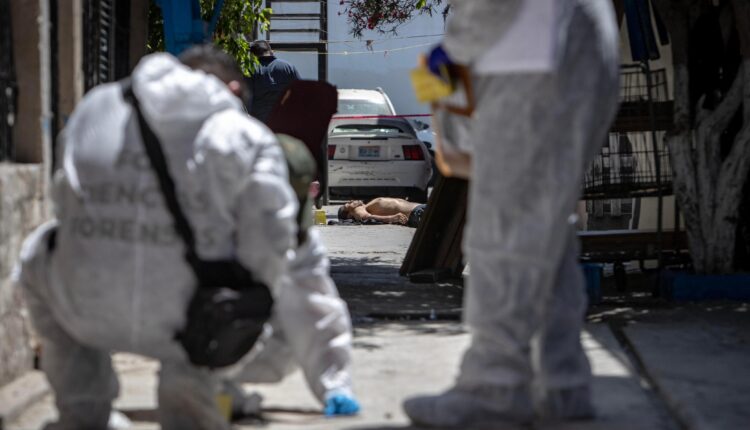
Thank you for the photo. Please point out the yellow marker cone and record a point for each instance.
(320, 217)
(224, 403)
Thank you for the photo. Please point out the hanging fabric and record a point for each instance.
(640, 30)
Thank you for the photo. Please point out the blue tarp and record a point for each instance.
(690, 287)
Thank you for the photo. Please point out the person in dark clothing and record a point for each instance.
(269, 82)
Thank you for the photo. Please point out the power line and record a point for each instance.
(328, 42)
(381, 51)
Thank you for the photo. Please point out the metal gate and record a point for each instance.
(298, 32)
(105, 41)
(8, 86)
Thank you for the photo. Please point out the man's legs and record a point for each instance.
(561, 367)
(81, 377)
(520, 198)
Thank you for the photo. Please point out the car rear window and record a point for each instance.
(367, 128)
(363, 107)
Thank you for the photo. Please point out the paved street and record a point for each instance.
(662, 367)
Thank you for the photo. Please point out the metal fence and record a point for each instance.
(106, 28)
(626, 166)
(8, 87)
(634, 85)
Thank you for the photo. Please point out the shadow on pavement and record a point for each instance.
(375, 290)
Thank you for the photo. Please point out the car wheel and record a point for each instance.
(435, 173)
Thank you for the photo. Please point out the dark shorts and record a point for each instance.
(415, 217)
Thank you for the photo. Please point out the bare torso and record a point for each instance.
(390, 206)
(382, 207)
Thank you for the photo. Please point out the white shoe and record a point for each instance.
(471, 408)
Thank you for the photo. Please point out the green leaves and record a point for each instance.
(384, 16)
(239, 22)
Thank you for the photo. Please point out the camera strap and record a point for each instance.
(166, 183)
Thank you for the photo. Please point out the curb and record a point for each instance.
(683, 415)
(19, 394)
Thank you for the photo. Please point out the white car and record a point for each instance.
(372, 155)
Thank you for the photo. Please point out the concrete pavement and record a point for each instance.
(394, 360)
(399, 351)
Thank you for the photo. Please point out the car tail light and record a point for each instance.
(413, 152)
(331, 151)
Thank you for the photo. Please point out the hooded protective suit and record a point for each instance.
(116, 278)
(532, 135)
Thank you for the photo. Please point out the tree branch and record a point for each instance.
(685, 189)
(709, 128)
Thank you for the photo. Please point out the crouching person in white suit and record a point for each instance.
(109, 273)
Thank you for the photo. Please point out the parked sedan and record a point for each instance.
(370, 153)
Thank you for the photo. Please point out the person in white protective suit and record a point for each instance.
(317, 338)
(109, 275)
(532, 134)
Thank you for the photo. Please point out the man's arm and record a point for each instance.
(249, 173)
(361, 214)
(398, 218)
(315, 321)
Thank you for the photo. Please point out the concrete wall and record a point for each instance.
(23, 183)
(21, 209)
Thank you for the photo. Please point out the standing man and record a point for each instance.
(269, 82)
(532, 134)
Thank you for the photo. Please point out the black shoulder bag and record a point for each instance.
(226, 314)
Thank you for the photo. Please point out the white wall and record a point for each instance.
(390, 69)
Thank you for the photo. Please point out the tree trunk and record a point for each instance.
(708, 189)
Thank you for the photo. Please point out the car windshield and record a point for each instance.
(363, 107)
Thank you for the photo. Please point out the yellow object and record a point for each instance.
(224, 403)
(320, 217)
(428, 87)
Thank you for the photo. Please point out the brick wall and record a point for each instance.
(21, 209)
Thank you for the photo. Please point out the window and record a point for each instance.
(381, 130)
(627, 207)
(363, 107)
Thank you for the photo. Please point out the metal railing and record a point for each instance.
(634, 163)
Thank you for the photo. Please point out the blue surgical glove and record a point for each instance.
(341, 404)
(438, 60)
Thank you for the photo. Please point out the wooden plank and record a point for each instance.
(436, 245)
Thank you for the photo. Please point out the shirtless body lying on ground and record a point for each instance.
(384, 209)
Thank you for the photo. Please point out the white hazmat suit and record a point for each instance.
(115, 278)
(311, 330)
(532, 135)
